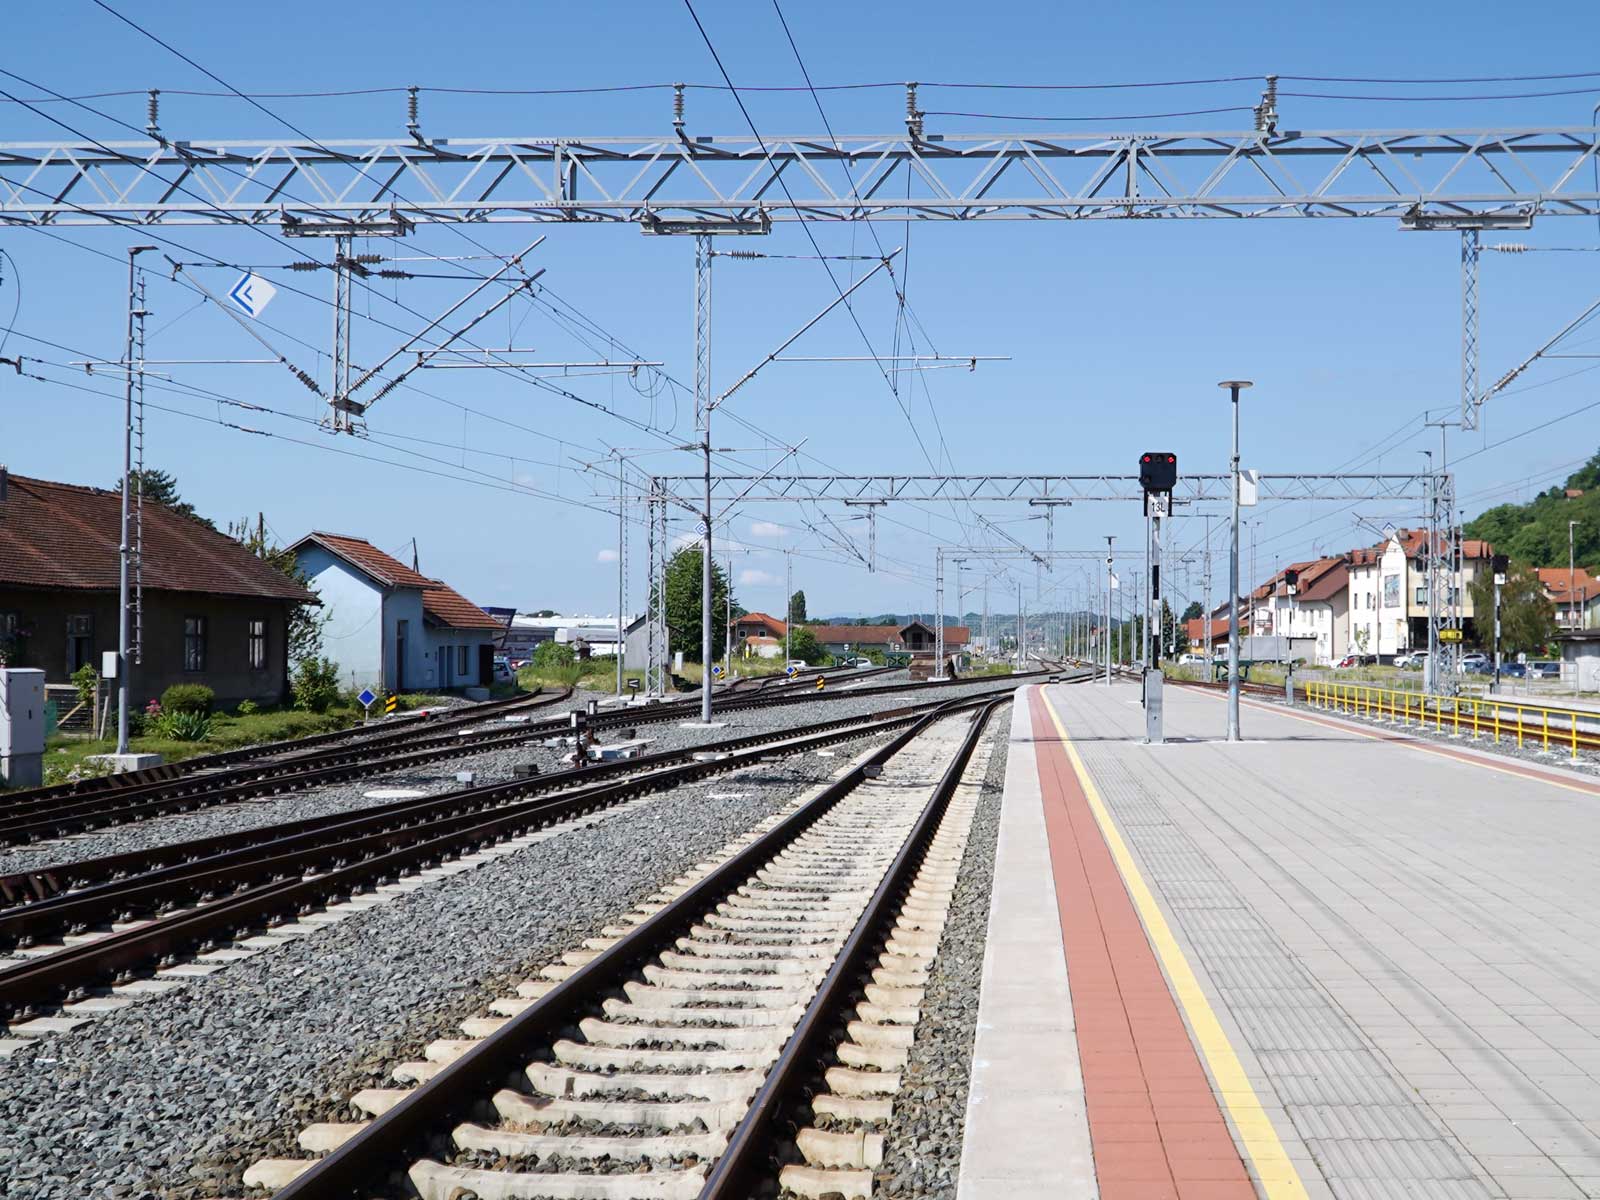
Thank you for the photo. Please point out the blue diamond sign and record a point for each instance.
(790, 670)
(366, 697)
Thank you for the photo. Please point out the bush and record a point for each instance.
(87, 680)
(551, 655)
(247, 708)
(183, 725)
(316, 684)
(188, 698)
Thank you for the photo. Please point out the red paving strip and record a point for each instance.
(1155, 1126)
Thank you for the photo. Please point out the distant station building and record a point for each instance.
(209, 611)
(391, 628)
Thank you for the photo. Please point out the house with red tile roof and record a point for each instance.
(390, 627)
(206, 610)
(1575, 594)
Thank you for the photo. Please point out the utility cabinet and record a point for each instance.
(22, 726)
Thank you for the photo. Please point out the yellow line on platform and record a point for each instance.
(1275, 1172)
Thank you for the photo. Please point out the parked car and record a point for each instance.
(1412, 660)
(1356, 660)
(1544, 670)
(503, 672)
(799, 664)
(1193, 659)
(1513, 670)
(1477, 666)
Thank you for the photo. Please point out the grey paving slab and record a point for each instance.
(1386, 930)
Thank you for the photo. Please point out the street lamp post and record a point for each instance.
(1234, 386)
(1572, 622)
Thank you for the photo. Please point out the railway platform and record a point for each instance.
(1328, 961)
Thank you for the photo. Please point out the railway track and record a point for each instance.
(32, 818)
(741, 1032)
(79, 927)
(391, 727)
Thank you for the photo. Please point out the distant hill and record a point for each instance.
(1536, 532)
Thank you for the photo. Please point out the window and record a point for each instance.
(8, 625)
(461, 660)
(80, 641)
(1422, 593)
(257, 645)
(194, 643)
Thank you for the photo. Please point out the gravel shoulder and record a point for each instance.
(175, 1096)
(492, 766)
(922, 1146)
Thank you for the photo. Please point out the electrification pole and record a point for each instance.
(124, 550)
(788, 611)
(702, 396)
(1107, 637)
(1234, 386)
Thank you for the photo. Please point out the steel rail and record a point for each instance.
(74, 896)
(225, 758)
(279, 888)
(159, 799)
(359, 1166)
(749, 1165)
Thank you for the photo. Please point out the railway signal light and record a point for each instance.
(1500, 564)
(1158, 471)
(1291, 580)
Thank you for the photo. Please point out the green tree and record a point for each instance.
(683, 604)
(160, 487)
(1174, 637)
(1536, 532)
(803, 645)
(797, 609)
(1527, 617)
(1194, 612)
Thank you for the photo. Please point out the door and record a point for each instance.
(400, 630)
(80, 641)
(485, 665)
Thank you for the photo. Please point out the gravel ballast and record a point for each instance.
(176, 1095)
(491, 766)
(922, 1146)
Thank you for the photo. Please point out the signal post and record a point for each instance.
(1158, 475)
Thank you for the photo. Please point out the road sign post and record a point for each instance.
(367, 698)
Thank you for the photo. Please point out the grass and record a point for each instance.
(66, 754)
(596, 674)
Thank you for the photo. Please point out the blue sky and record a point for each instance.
(1117, 332)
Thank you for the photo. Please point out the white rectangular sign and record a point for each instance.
(1249, 483)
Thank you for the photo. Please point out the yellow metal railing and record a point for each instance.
(1484, 717)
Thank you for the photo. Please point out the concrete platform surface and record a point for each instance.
(1320, 963)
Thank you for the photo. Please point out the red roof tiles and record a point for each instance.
(441, 604)
(60, 535)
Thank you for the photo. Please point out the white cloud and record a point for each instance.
(606, 556)
(767, 529)
(754, 578)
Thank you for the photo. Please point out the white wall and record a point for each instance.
(353, 607)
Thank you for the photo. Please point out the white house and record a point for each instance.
(1378, 600)
(391, 628)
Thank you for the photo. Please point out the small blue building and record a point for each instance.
(391, 628)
